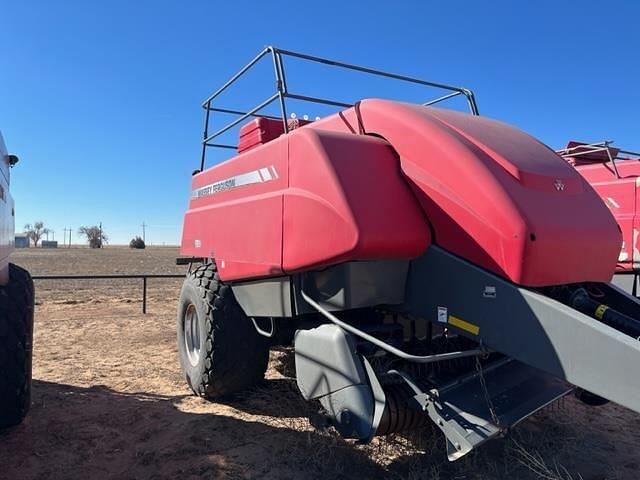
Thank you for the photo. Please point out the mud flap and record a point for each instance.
(514, 391)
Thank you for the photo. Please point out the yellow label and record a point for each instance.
(469, 327)
(600, 311)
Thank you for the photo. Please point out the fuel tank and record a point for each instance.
(494, 195)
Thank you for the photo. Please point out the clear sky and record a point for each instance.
(101, 100)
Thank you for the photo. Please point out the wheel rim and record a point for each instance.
(192, 335)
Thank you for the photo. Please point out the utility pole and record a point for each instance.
(144, 237)
(65, 237)
(100, 239)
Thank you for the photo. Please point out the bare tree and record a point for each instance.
(95, 235)
(36, 231)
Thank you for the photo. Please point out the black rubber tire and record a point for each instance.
(232, 356)
(16, 338)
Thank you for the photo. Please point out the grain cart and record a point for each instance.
(615, 174)
(427, 265)
(16, 311)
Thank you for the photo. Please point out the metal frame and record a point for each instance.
(604, 146)
(528, 325)
(143, 276)
(282, 93)
(390, 348)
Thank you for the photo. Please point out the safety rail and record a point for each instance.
(282, 93)
(143, 276)
(613, 153)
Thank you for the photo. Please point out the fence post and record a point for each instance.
(144, 294)
(143, 276)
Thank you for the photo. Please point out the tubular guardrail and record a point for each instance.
(143, 276)
(282, 93)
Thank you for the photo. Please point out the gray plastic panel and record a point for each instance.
(270, 297)
(341, 287)
(355, 285)
(326, 361)
(329, 369)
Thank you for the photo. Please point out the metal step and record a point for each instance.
(462, 409)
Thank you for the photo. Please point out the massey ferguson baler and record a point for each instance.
(614, 174)
(426, 265)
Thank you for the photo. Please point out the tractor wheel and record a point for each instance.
(16, 336)
(220, 350)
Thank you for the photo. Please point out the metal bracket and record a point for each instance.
(379, 398)
(444, 416)
(460, 408)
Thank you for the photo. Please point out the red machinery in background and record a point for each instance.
(615, 175)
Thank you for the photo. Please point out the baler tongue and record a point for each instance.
(586, 342)
(485, 404)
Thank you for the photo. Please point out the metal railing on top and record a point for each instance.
(282, 93)
(612, 153)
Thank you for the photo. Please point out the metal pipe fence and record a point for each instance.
(143, 276)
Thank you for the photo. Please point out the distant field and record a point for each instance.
(110, 260)
(106, 260)
(109, 402)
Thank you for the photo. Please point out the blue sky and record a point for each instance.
(101, 100)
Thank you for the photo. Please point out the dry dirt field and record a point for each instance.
(109, 402)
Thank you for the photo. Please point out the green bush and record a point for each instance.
(136, 242)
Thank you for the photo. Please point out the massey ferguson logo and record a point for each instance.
(559, 185)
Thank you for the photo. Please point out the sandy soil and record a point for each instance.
(109, 402)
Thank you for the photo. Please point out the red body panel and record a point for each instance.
(347, 201)
(621, 196)
(491, 194)
(330, 197)
(239, 222)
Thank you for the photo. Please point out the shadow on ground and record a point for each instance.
(75, 432)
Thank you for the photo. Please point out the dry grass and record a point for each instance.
(109, 402)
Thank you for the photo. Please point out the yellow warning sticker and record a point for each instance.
(600, 311)
(464, 325)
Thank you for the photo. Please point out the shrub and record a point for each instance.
(136, 242)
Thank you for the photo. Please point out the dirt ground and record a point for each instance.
(109, 402)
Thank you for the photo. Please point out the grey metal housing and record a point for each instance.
(341, 287)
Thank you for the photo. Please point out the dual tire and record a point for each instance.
(16, 337)
(220, 350)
